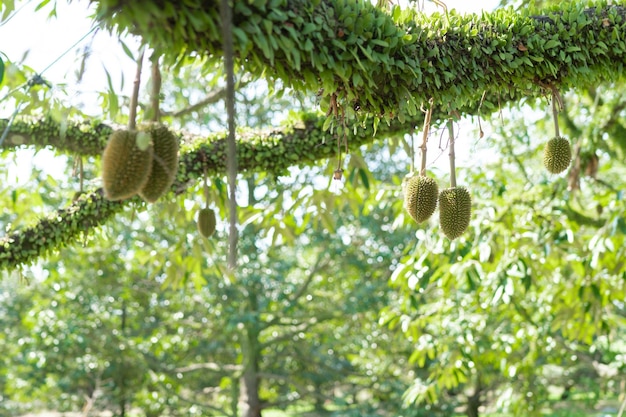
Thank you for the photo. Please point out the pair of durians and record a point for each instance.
(421, 195)
(140, 162)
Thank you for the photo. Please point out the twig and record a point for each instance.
(211, 98)
(132, 114)
(480, 105)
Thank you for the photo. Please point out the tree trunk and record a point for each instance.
(250, 403)
(249, 400)
(473, 401)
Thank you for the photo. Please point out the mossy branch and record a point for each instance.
(388, 63)
(267, 151)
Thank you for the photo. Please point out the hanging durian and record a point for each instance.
(206, 222)
(557, 155)
(125, 165)
(455, 210)
(420, 197)
(164, 164)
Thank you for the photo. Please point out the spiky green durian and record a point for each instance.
(455, 209)
(164, 164)
(557, 155)
(125, 165)
(206, 222)
(420, 197)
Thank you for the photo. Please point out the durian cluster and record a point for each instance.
(140, 162)
(421, 196)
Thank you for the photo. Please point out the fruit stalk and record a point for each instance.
(451, 154)
(555, 115)
(132, 114)
(427, 119)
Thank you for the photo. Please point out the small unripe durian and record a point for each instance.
(557, 155)
(420, 197)
(455, 209)
(164, 164)
(125, 166)
(206, 222)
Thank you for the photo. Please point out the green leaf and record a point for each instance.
(127, 50)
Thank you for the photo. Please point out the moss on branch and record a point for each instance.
(389, 63)
(57, 230)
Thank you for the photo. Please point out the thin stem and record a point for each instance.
(231, 166)
(555, 115)
(452, 166)
(134, 98)
(412, 155)
(427, 119)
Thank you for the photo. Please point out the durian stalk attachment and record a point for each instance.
(420, 191)
(455, 203)
(557, 154)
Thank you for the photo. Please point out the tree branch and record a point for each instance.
(210, 366)
(212, 97)
(388, 67)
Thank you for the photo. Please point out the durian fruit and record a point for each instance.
(164, 164)
(420, 197)
(206, 222)
(455, 209)
(125, 166)
(557, 155)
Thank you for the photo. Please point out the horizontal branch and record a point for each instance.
(268, 151)
(210, 366)
(389, 63)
